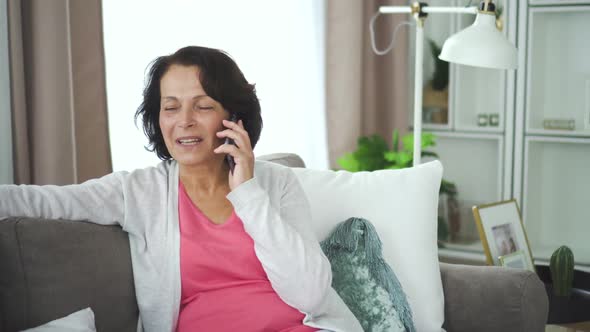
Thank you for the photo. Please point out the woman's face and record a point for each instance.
(189, 119)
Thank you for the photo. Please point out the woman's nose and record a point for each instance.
(188, 118)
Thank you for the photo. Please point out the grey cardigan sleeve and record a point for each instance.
(98, 200)
(290, 254)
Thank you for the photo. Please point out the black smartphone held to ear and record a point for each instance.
(228, 157)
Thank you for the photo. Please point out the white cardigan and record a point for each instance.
(272, 206)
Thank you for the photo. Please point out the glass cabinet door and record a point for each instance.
(473, 163)
(436, 72)
(452, 94)
(479, 93)
(558, 70)
(557, 196)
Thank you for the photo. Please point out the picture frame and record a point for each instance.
(503, 235)
(516, 260)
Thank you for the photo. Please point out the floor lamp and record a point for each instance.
(479, 45)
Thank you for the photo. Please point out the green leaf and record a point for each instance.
(448, 188)
(348, 162)
(427, 140)
(405, 159)
(399, 159)
(370, 153)
(390, 156)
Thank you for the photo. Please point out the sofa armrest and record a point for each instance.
(489, 298)
(52, 268)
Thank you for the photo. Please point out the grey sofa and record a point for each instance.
(49, 269)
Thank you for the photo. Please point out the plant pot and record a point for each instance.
(572, 309)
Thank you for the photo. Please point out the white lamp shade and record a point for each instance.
(480, 45)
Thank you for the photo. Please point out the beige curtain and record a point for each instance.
(366, 93)
(58, 92)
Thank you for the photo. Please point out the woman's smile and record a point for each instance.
(189, 141)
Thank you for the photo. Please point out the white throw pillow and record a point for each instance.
(403, 206)
(79, 321)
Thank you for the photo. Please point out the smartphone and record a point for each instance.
(228, 157)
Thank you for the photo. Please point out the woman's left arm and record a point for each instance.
(284, 242)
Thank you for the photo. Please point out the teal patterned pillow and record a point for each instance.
(363, 279)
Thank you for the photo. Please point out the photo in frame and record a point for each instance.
(516, 260)
(502, 235)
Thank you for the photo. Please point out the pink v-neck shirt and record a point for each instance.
(224, 286)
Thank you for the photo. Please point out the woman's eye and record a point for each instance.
(169, 108)
(205, 107)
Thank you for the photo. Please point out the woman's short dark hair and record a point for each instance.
(221, 79)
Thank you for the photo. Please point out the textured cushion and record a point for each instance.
(402, 205)
(79, 321)
(364, 281)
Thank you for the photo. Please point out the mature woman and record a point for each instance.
(213, 249)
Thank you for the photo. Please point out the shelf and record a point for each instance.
(483, 130)
(461, 257)
(472, 247)
(431, 127)
(556, 199)
(558, 69)
(545, 262)
(558, 133)
(558, 2)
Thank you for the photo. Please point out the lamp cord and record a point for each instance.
(392, 43)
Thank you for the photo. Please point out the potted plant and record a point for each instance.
(568, 289)
(562, 271)
(373, 153)
(561, 266)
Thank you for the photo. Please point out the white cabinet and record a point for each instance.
(539, 150)
(552, 122)
(474, 152)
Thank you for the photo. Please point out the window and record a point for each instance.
(279, 45)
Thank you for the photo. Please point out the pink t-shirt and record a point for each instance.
(224, 287)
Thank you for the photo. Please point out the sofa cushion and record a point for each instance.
(53, 268)
(79, 321)
(402, 205)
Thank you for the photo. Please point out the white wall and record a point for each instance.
(279, 45)
(6, 171)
